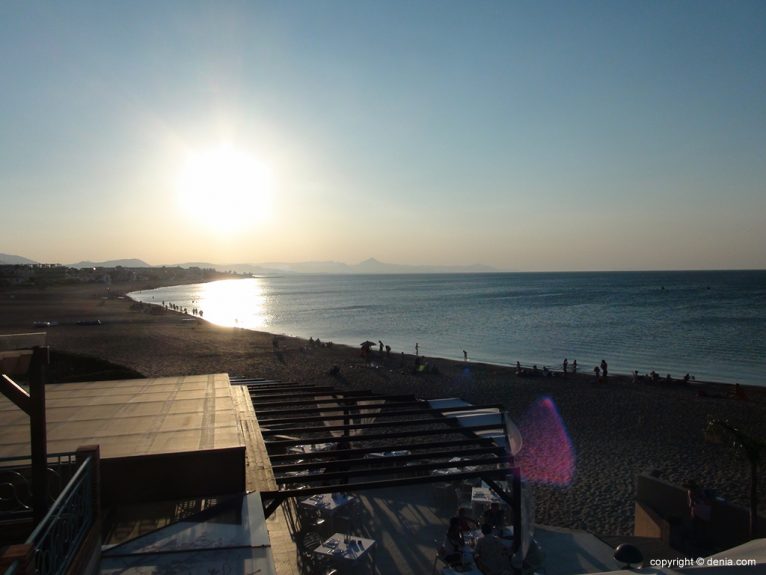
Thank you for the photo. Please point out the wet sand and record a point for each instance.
(617, 429)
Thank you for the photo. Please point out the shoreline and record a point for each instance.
(617, 429)
(555, 368)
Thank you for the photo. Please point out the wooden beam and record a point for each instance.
(15, 393)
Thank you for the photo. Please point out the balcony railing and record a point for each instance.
(58, 538)
(16, 497)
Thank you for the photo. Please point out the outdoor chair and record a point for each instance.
(308, 542)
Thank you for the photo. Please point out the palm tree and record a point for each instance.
(753, 448)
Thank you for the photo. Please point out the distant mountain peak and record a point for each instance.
(125, 263)
(8, 259)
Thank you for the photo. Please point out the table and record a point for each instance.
(379, 454)
(311, 448)
(485, 495)
(456, 469)
(326, 502)
(337, 548)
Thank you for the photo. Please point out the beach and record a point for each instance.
(618, 429)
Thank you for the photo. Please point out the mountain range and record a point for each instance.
(369, 266)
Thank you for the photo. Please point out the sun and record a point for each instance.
(226, 188)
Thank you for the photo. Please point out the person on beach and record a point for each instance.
(519, 371)
(380, 348)
(574, 367)
(565, 365)
(465, 356)
(699, 509)
(417, 349)
(604, 368)
(597, 373)
(739, 393)
(388, 351)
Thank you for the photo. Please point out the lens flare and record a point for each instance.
(547, 456)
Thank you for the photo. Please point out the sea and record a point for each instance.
(710, 324)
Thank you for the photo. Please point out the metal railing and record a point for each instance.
(57, 539)
(16, 496)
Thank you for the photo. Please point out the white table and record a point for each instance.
(326, 502)
(311, 448)
(456, 469)
(379, 454)
(337, 548)
(484, 495)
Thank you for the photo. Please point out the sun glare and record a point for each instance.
(226, 188)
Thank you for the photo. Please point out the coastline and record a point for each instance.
(617, 429)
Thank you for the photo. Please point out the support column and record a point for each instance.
(38, 377)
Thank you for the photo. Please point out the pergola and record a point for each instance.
(321, 439)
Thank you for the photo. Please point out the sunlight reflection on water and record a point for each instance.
(230, 303)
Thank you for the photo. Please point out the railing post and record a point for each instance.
(94, 452)
(38, 376)
(24, 554)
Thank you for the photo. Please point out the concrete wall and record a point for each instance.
(172, 476)
(662, 506)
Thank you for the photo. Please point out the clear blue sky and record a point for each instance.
(523, 135)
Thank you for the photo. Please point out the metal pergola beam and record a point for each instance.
(424, 411)
(382, 483)
(387, 447)
(304, 393)
(449, 421)
(392, 470)
(326, 401)
(389, 460)
(376, 436)
(297, 387)
(261, 412)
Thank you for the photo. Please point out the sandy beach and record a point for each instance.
(617, 429)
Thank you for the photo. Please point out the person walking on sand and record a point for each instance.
(465, 356)
(603, 368)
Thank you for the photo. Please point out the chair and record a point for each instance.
(311, 519)
(452, 560)
(309, 541)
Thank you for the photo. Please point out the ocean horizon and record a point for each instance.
(710, 324)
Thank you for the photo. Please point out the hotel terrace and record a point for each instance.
(214, 474)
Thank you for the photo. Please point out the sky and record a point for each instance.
(528, 136)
